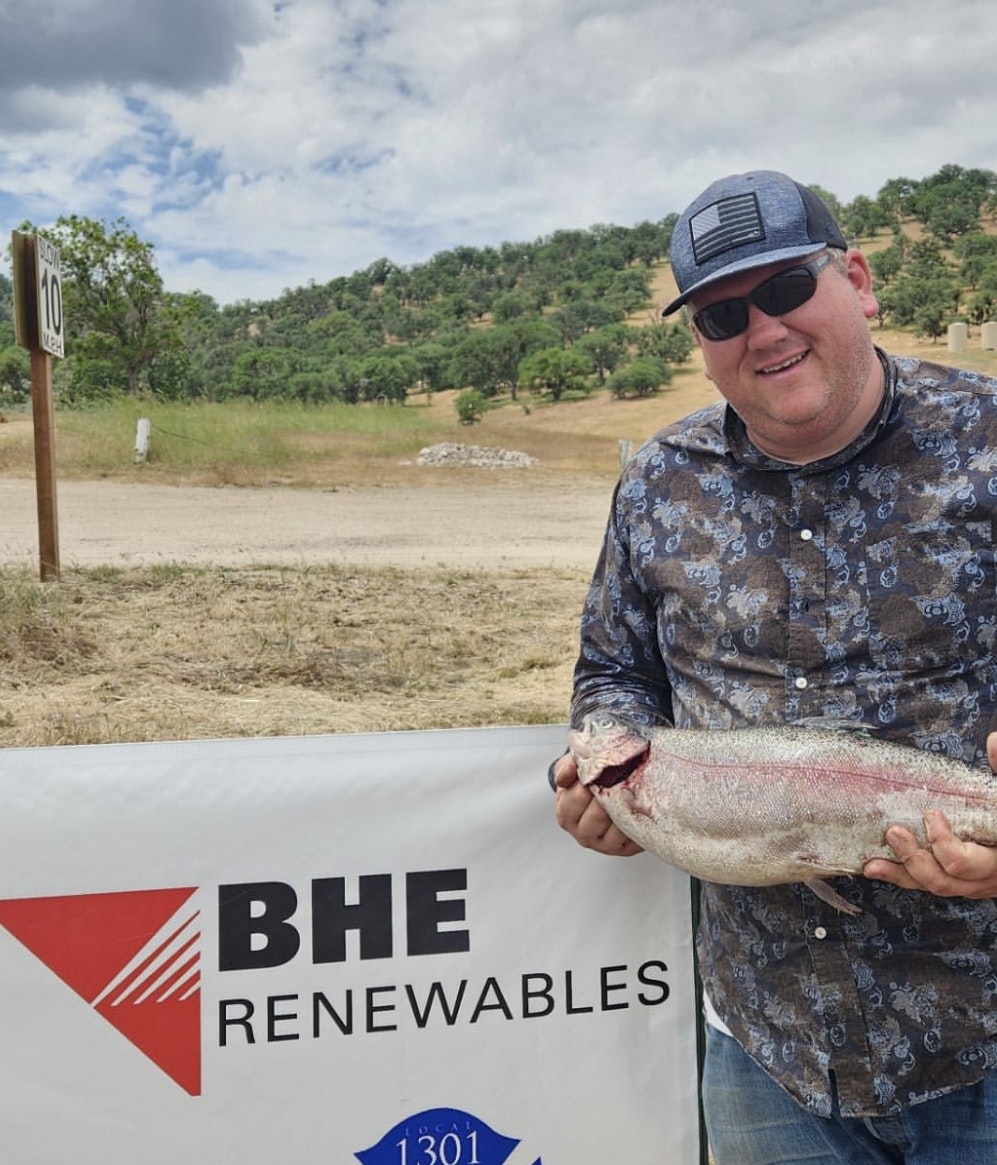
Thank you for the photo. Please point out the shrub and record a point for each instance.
(470, 406)
(640, 377)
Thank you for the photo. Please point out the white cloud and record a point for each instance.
(304, 140)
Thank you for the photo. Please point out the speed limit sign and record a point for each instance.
(49, 284)
(38, 326)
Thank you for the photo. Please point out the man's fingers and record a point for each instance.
(589, 824)
(946, 865)
(965, 861)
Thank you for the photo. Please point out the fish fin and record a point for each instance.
(831, 896)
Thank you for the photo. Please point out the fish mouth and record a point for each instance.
(616, 774)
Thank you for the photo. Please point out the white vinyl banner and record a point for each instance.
(331, 949)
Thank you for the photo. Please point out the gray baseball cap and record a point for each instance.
(745, 221)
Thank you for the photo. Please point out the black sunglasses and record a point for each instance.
(783, 292)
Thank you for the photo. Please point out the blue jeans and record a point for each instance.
(750, 1120)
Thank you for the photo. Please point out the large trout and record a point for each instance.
(760, 806)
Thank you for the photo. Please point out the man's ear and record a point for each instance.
(860, 277)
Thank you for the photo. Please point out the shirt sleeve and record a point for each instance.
(620, 668)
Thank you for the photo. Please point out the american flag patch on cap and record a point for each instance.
(731, 222)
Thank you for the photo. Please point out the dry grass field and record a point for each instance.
(429, 598)
(193, 652)
(439, 629)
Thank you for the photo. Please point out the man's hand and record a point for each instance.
(946, 866)
(578, 812)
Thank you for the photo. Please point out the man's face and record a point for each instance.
(807, 382)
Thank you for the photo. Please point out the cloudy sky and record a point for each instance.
(261, 144)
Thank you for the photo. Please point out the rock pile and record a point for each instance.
(477, 456)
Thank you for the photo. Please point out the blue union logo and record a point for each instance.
(440, 1136)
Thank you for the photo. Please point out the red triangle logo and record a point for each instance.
(134, 957)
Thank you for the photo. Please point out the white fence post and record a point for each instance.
(142, 431)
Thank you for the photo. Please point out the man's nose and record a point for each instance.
(763, 330)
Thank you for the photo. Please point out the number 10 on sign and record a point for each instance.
(49, 283)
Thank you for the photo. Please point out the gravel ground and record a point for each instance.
(507, 519)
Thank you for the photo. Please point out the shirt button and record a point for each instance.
(820, 932)
(800, 683)
(806, 535)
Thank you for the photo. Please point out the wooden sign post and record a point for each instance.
(39, 325)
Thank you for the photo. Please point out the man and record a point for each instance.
(819, 544)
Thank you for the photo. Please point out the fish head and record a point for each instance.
(606, 750)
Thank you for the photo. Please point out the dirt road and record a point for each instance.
(509, 519)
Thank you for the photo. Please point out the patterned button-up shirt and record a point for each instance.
(736, 590)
